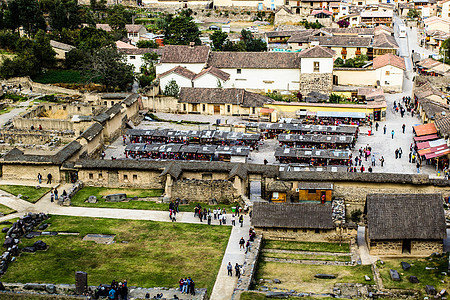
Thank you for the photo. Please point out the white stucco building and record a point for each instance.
(389, 70)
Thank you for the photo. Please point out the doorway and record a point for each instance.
(335, 80)
(217, 109)
(406, 247)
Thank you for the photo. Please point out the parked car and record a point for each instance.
(213, 27)
(252, 29)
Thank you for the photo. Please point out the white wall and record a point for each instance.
(181, 81)
(209, 81)
(137, 62)
(445, 11)
(325, 65)
(163, 67)
(394, 79)
(264, 79)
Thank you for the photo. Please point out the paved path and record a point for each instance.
(366, 258)
(225, 285)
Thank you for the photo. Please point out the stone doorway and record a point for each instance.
(406, 247)
(255, 190)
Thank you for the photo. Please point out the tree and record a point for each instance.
(65, 14)
(172, 89)
(93, 38)
(252, 44)
(107, 67)
(43, 51)
(24, 13)
(180, 30)
(218, 39)
(413, 13)
(147, 44)
(343, 23)
(118, 17)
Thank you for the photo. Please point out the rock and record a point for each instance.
(277, 295)
(413, 279)
(5, 229)
(325, 276)
(29, 236)
(43, 226)
(34, 286)
(5, 223)
(430, 290)
(366, 278)
(92, 199)
(50, 288)
(405, 266)
(40, 245)
(29, 249)
(276, 281)
(394, 275)
(19, 196)
(9, 241)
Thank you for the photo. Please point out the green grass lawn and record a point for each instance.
(300, 277)
(60, 76)
(156, 254)
(30, 193)
(13, 296)
(6, 110)
(300, 256)
(82, 195)
(6, 210)
(426, 277)
(307, 246)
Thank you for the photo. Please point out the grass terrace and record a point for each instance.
(6, 210)
(146, 253)
(307, 246)
(261, 296)
(82, 195)
(29, 193)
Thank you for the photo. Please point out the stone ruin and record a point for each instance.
(24, 225)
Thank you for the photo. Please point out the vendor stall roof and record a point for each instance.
(425, 129)
(341, 114)
(426, 137)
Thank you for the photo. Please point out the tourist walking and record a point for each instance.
(396, 153)
(418, 167)
(403, 128)
(241, 243)
(384, 129)
(400, 152)
(392, 133)
(237, 270)
(230, 269)
(376, 126)
(241, 220)
(39, 177)
(382, 161)
(233, 220)
(49, 178)
(373, 160)
(52, 196)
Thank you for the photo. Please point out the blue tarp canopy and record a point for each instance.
(341, 114)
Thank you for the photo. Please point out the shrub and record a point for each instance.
(355, 215)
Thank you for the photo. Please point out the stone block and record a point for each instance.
(81, 283)
(405, 266)
(413, 279)
(34, 286)
(395, 276)
(430, 290)
(325, 276)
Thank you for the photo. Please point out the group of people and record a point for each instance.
(368, 155)
(115, 291)
(49, 178)
(187, 286)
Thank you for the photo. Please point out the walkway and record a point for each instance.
(224, 286)
(366, 258)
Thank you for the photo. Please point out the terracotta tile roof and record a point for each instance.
(389, 59)
(254, 60)
(128, 27)
(428, 63)
(139, 51)
(215, 72)
(381, 28)
(342, 41)
(180, 71)
(185, 54)
(285, 8)
(317, 51)
(222, 96)
(384, 40)
(442, 123)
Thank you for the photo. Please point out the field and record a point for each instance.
(146, 253)
(418, 269)
(30, 193)
(307, 246)
(82, 195)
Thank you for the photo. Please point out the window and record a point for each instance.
(286, 2)
(64, 107)
(125, 177)
(132, 57)
(105, 102)
(91, 176)
(79, 108)
(100, 175)
(294, 230)
(228, 108)
(317, 231)
(388, 73)
(311, 191)
(238, 71)
(204, 107)
(112, 103)
(184, 106)
(134, 177)
(316, 66)
(305, 230)
(253, 110)
(275, 195)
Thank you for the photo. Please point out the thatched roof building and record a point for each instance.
(304, 215)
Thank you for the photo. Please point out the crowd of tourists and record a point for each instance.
(115, 291)
(364, 154)
(187, 286)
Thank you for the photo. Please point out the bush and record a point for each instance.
(172, 89)
(355, 215)
(147, 44)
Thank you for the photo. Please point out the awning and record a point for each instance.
(439, 151)
(431, 144)
(425, 129)
(341, 114)
(266, 110)
(425, 137)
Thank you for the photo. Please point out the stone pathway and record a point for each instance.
(366, 258)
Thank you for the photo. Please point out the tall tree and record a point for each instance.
(181, 30)
(26, 13)
(218, 39)
(252, 44)
(118, 17)
(65, 14)
(43, 51)
(93, 38)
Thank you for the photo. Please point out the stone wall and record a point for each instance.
(123, 178)
(161, 104)
(26, 82)
(195, 190)
(316, 82)
(310, 235)
(28, 172)
(418, 248)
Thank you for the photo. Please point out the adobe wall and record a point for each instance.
(161, 104)
(122, 178)
(29, 172)
(204, 190)
(26, 82)
(310, 235)
(354, 193)
(316, 82)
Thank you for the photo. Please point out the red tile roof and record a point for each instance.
(389, 59)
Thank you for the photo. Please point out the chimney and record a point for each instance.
(191, 44)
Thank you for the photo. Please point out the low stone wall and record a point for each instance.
(204, 190)
(26, 82)
(418, 248)
(309, 235)
(316, 82)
